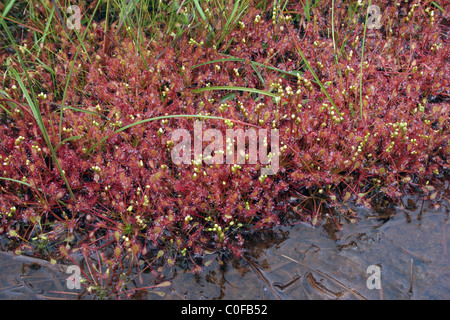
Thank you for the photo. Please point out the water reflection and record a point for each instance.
(292, 261)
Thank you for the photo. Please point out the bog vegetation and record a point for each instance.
(86, 118)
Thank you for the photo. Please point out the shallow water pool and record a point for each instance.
(406, 247)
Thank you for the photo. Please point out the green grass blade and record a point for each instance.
(198, 116)
(322, 87)
(267, 93)
(291, 73)
(72, 67)
(139, 49)
(78, 110)
(230, 19)
(218, 60)
(31, 102)
(258, 74)
(67, 140)
(437, 6)
(14, 180)
(200, 10)
(4, 94)
(38, 117)
(8, 7)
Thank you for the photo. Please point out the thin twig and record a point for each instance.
(411, 278)
(58, 13)
(326, 276)
(444, 237)
(415, 255)
(262, 277)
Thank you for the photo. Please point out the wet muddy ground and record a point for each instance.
(409, 245)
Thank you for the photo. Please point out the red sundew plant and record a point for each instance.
(362, 113)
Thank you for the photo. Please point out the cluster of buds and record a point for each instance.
(398, 126)
(354, 43)
(218, 229)
(165, 91)
(363, 143)
(230, 146)
(335, 117)
(274, 13)
(436, 47)
(140, 221)
(96, 169)
(277, 86)
(9, 214)
(223, 107)
(118, 123)
(36, 148)
(289, 91)
(126, 240)
(390, 147)
(411, 12)
(229, 123)
(192, 42)
(305, 82)
(197, 165)
(287, 18)
(242, 108)
(42, 95)
(169, 144)
(23, 48)
(360, 147)
(430, 14)
(235, 168)
(320, 65)
(350, 56)
(258, 107)
(146, 202)
(377, 182)
(18, 141)
(349, 69)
